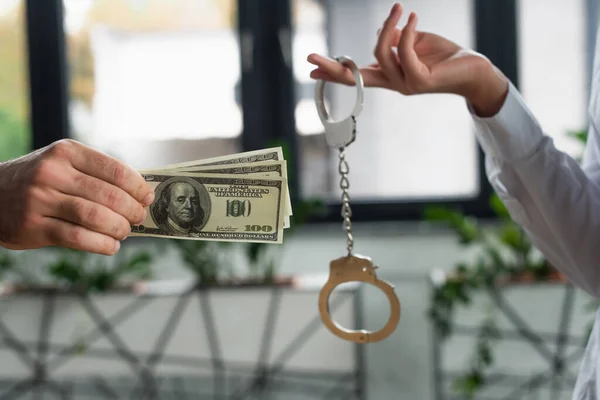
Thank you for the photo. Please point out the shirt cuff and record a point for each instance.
(513, 134)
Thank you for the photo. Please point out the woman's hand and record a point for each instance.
(413, 62)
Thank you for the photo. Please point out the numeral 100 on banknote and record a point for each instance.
(238, 208)
(259, 228)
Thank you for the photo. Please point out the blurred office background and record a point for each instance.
(154, 82)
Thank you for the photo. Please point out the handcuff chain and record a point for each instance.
(346, 210)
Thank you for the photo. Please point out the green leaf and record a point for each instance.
(465, 227)
(512, 236)
(462, 269)
(469, 384)
(79, 348)
(485, 355)
(254, 250)
(14, 136)
(468, 230)
(440, 214)
(496, 260)
(203, 258)
(101, 280)
(305, 209)
(6, 264)
(64, 270)
(139, 266)
(498, 206)
(142, 258)
(581, 136)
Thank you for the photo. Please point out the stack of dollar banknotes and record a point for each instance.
(242, 197)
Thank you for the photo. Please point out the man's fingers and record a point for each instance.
(92, 216)
(72, 236)
(97, 164)
(383, 50)
(110, 196)
(72, 182)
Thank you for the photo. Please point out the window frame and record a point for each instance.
(495, 37)
(268, 89)
(48, 88)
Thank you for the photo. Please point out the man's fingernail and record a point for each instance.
(117, 246)
(148, 199)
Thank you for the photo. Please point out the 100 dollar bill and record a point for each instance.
(263, 168)
(271, 154)
(240, 163)
(214, 207)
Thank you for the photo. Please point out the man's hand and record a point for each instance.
(413, 62)
(70, 195)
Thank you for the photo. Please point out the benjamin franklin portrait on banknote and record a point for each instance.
(182, 206)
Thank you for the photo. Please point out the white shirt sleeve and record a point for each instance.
(548, 193)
